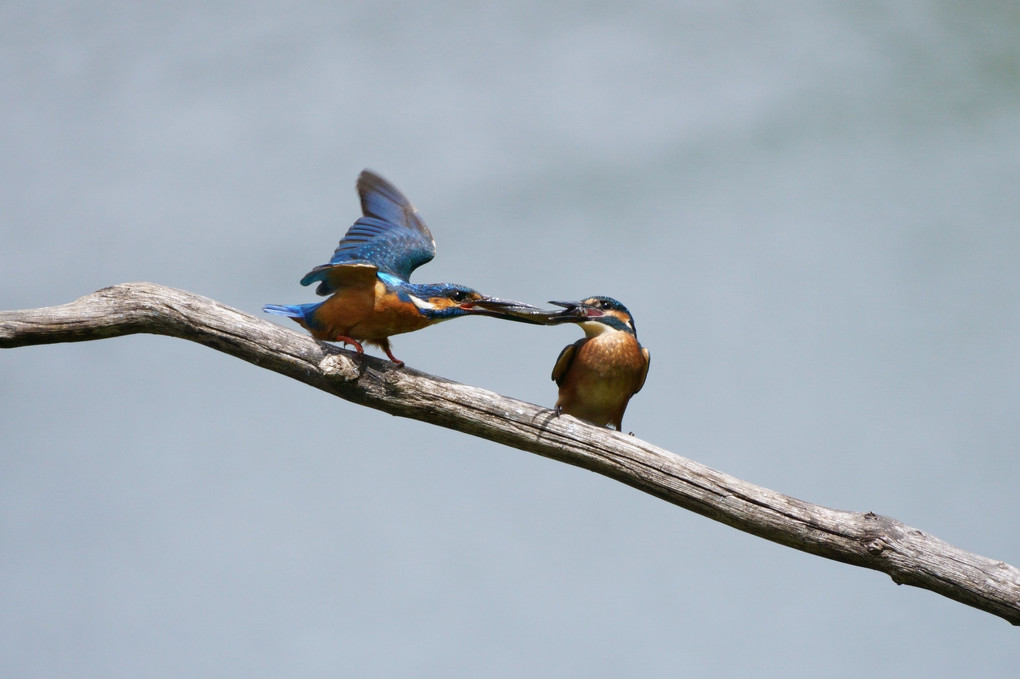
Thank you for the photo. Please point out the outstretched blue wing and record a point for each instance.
(391, 236)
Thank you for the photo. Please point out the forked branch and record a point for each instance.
(908, 555)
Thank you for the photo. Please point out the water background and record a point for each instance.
(811, 208)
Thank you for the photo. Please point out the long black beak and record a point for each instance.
(575, 311)
(572, 312)
(505, 309)
(497, 303)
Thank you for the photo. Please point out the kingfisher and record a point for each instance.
(367, 280)
(599, 373)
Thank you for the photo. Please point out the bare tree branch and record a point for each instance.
(908, 555)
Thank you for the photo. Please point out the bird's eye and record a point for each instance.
(605, 305)
(458, 295)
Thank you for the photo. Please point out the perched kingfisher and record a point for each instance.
(598, 374)
(371, 297)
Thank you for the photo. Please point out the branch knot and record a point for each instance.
(337, 365)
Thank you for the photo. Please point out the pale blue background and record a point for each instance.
(812, 209)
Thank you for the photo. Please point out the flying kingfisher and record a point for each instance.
(598, 374)
(371, 297)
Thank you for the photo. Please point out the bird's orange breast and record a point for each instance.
(367, 314)
(605, 372)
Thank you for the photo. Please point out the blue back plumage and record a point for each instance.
(391, 236)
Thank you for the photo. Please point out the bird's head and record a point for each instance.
(595, 315)
(441, 301)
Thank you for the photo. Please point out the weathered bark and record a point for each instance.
(908, 555)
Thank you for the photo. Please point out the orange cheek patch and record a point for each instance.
(442, 303)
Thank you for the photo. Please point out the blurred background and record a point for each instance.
(810, 208)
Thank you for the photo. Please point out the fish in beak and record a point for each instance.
(572, 312)
(505, 309)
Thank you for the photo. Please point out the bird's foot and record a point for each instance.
(400, 364)
(350, 340)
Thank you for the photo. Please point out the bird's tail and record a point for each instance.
(302, 313)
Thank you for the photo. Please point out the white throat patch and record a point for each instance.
(421, 304)
(594, 328)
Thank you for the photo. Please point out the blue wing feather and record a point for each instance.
(391, 235)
